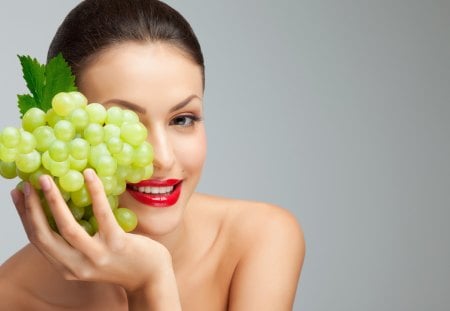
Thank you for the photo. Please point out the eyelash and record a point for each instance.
(192, 120)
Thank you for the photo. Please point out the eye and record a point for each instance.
(185, 120)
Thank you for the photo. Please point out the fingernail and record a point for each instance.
(89, 174)
(45, 183)
(15, 196)
(26, 188)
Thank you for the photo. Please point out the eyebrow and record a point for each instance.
(142, 110)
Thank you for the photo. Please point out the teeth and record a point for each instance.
(154, 190)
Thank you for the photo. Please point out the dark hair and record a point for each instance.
(94, 25)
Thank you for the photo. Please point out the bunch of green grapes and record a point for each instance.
(70, 137)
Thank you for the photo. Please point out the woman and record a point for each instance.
(190, 251)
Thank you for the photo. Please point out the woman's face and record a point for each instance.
(164, 87)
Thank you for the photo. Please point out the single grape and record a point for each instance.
(77, 165)
(125, 156)
(96, 113)
(126, 218)
(77, 211)
(27, 142)
(109, 183)
(148, 172)
(114, 115)
(143, 155)
(81, 197)
(93, 221)
(133, 133)
(96, 152)
(10, 137)
(130, 116)
(115, 145)
(120, 187)
(33, 118)
(78, 99)
(79, 118)
(7, 154)
(71, 181)
(59, 150)
(135, 174)
(106, 165)
(64, 130)
(52, 117)
(113, 201)
(93, 133)
(28, 162)
(44, 137)
(79, 148)
(111, 130)
(59, 168)
(86, 226)
(63, 104)
(8, 170)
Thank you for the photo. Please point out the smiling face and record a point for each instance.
(164, 87)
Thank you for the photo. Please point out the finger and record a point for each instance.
(68, 227)
(105, 218)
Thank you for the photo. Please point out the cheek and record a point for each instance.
(191, 152)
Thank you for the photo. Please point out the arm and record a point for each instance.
(267, 275)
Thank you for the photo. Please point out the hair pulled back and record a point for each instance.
(95, 25)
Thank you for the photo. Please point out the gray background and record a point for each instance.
(337, 110)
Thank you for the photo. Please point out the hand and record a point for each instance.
(128, 260)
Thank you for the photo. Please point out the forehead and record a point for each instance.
(136, 69)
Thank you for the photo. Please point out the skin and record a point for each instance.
(203, 253)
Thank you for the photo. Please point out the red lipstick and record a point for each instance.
(144, 192)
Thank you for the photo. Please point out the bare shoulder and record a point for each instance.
(267, 246)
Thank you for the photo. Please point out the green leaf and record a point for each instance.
(26, 102)
(34, 75)
(59, 78)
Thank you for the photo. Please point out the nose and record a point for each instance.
(163, 153)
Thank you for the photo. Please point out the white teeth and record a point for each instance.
(154, 190)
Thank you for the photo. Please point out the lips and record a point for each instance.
(155, 192)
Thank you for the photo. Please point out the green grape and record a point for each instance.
(133, 133)
(78, 99)
(81, 197)
(113, 201)
(93, 221)
(10, 137)
(33, 118)
(143, 155)
(71, 181)
(8, 170)
(126, 218)
(79, 148)
(64, 130)
(93, 133)
(22, 175)
(79, 118)
(59, 168)
(96, 152)
(130, 116)
(135, 174)
(63, 104)
(44, 137)
(120, 187)
(59, 150)
(77, 211)
(96, 113)
(28, 162)
(110, 131)
(148, 172)
(109, 183)
(34, 177)
(76, 164)
(52, 117)
(114, 115)
(7, 154)
(88, 212)
(106, 165)
(86, 226)
(46, 160)
(125, 156)
(115, 145)
(121, 172)
(27, 142)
